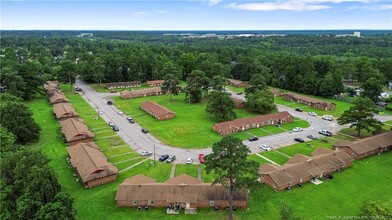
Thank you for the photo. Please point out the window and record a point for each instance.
(212, 202)
(134, 202)
(151, 202)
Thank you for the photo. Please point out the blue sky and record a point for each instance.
(196, 15)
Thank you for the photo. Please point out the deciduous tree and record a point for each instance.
(221, 105)
(194, 88)
(261, 101)
(171, 85)
(234, 171)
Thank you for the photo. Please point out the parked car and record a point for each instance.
(325, 132)
(145, 153)
(100, 112)
(312, 113)
(115, 128)
(163, 157)
(239, 93)
(265, 147)
(299, 110)
(144, 130)
(78, 89)
(189, 161)
(327, 117)
(110, 124)
(170, 159)
(109, 102)
(201, 158)
(253, 138)
(120, 112)
(297, 129)
(299, 140)
(311, 136)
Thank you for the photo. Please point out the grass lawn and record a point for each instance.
(257, 159)
(340, 106)
(102, 87)
(235, 89)
(304, 149)
(274, 156)
(190, 169)
(192, 123)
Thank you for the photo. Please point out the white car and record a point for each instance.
(145, 153)
(120, 112)
(327, 117)
(100, 112)
(111, 124)
(189, 161)
(297, 129)
(265, 147)
(313, 113)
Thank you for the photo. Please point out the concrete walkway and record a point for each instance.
(267, 159)
(173, 170)
(132, 166)
(282, 154)
(123, 161)
(199, 171)
(347, 135)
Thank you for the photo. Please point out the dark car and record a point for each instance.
(239, 93)
(78, 89)
(163, 157)
(115, 128)
(253, 138)
(170, 159)
(325, 132)
(299, 140)
(299, 110)
(130, 119)
(109, 102)
(144, 130)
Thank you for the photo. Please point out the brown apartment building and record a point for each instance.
(276, 92)
(157, 110)
(237, 83)
(91, 164)
(141, 93)
(366, 147)
(63, 111)
(312, 102)
(75, 131)
(155, 83)
(239, 103)
(116, 85)
(57, 97)
(301, 169)
(51, 86)
(237, 125)
(184, 190)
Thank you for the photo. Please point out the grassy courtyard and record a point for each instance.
(369, 176)
(192, 123)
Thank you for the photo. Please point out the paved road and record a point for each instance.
(132, 135)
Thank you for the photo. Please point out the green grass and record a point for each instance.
(192, 122)
(274, 156)
(340, 106)
(235, 89)
(190, 169)
(257, 159)
(102, 87)
(338, 197)
(305, 149)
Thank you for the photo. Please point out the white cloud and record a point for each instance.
(160, 11)
(214, 2)
(386, 7)
(279, 5)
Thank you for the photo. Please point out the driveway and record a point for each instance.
(138, 141)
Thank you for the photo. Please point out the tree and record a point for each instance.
(99, 70)
(360, 116)
(286, 212)
(7, 140)
(194, 86)
(171, 85)
(221, 105)
(60, 208)
(372, 88)
(375, 209)
(261, 101)
(17, 118)
(218, 83)
(331, 85)
(256, 83)
(206, 83)
(229, 162)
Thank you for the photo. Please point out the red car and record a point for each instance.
(201, 158)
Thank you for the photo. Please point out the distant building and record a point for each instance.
(312, 102)
(85, 35)
(239, 103)
(155, 83)
(237, 83)
(116, 85)
(156, 110)
(57, 97)
(141, 93)
(357, 34)
(63, 111)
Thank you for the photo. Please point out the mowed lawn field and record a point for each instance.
(338, 197)
(192, 126)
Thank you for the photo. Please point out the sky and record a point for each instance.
(195, 15)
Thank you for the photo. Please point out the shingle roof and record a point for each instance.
(236, 82)
(75, 129)
(123, 83)
(51, 85)
(300, 166)
(64, 110)
(141, 92)
(174, 190)
(154, 82)
(154, 108)
(308, 99)
(90, 162)
(243, 122)
(57, 97)
(367, 144)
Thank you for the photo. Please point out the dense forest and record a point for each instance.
(311, 64)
